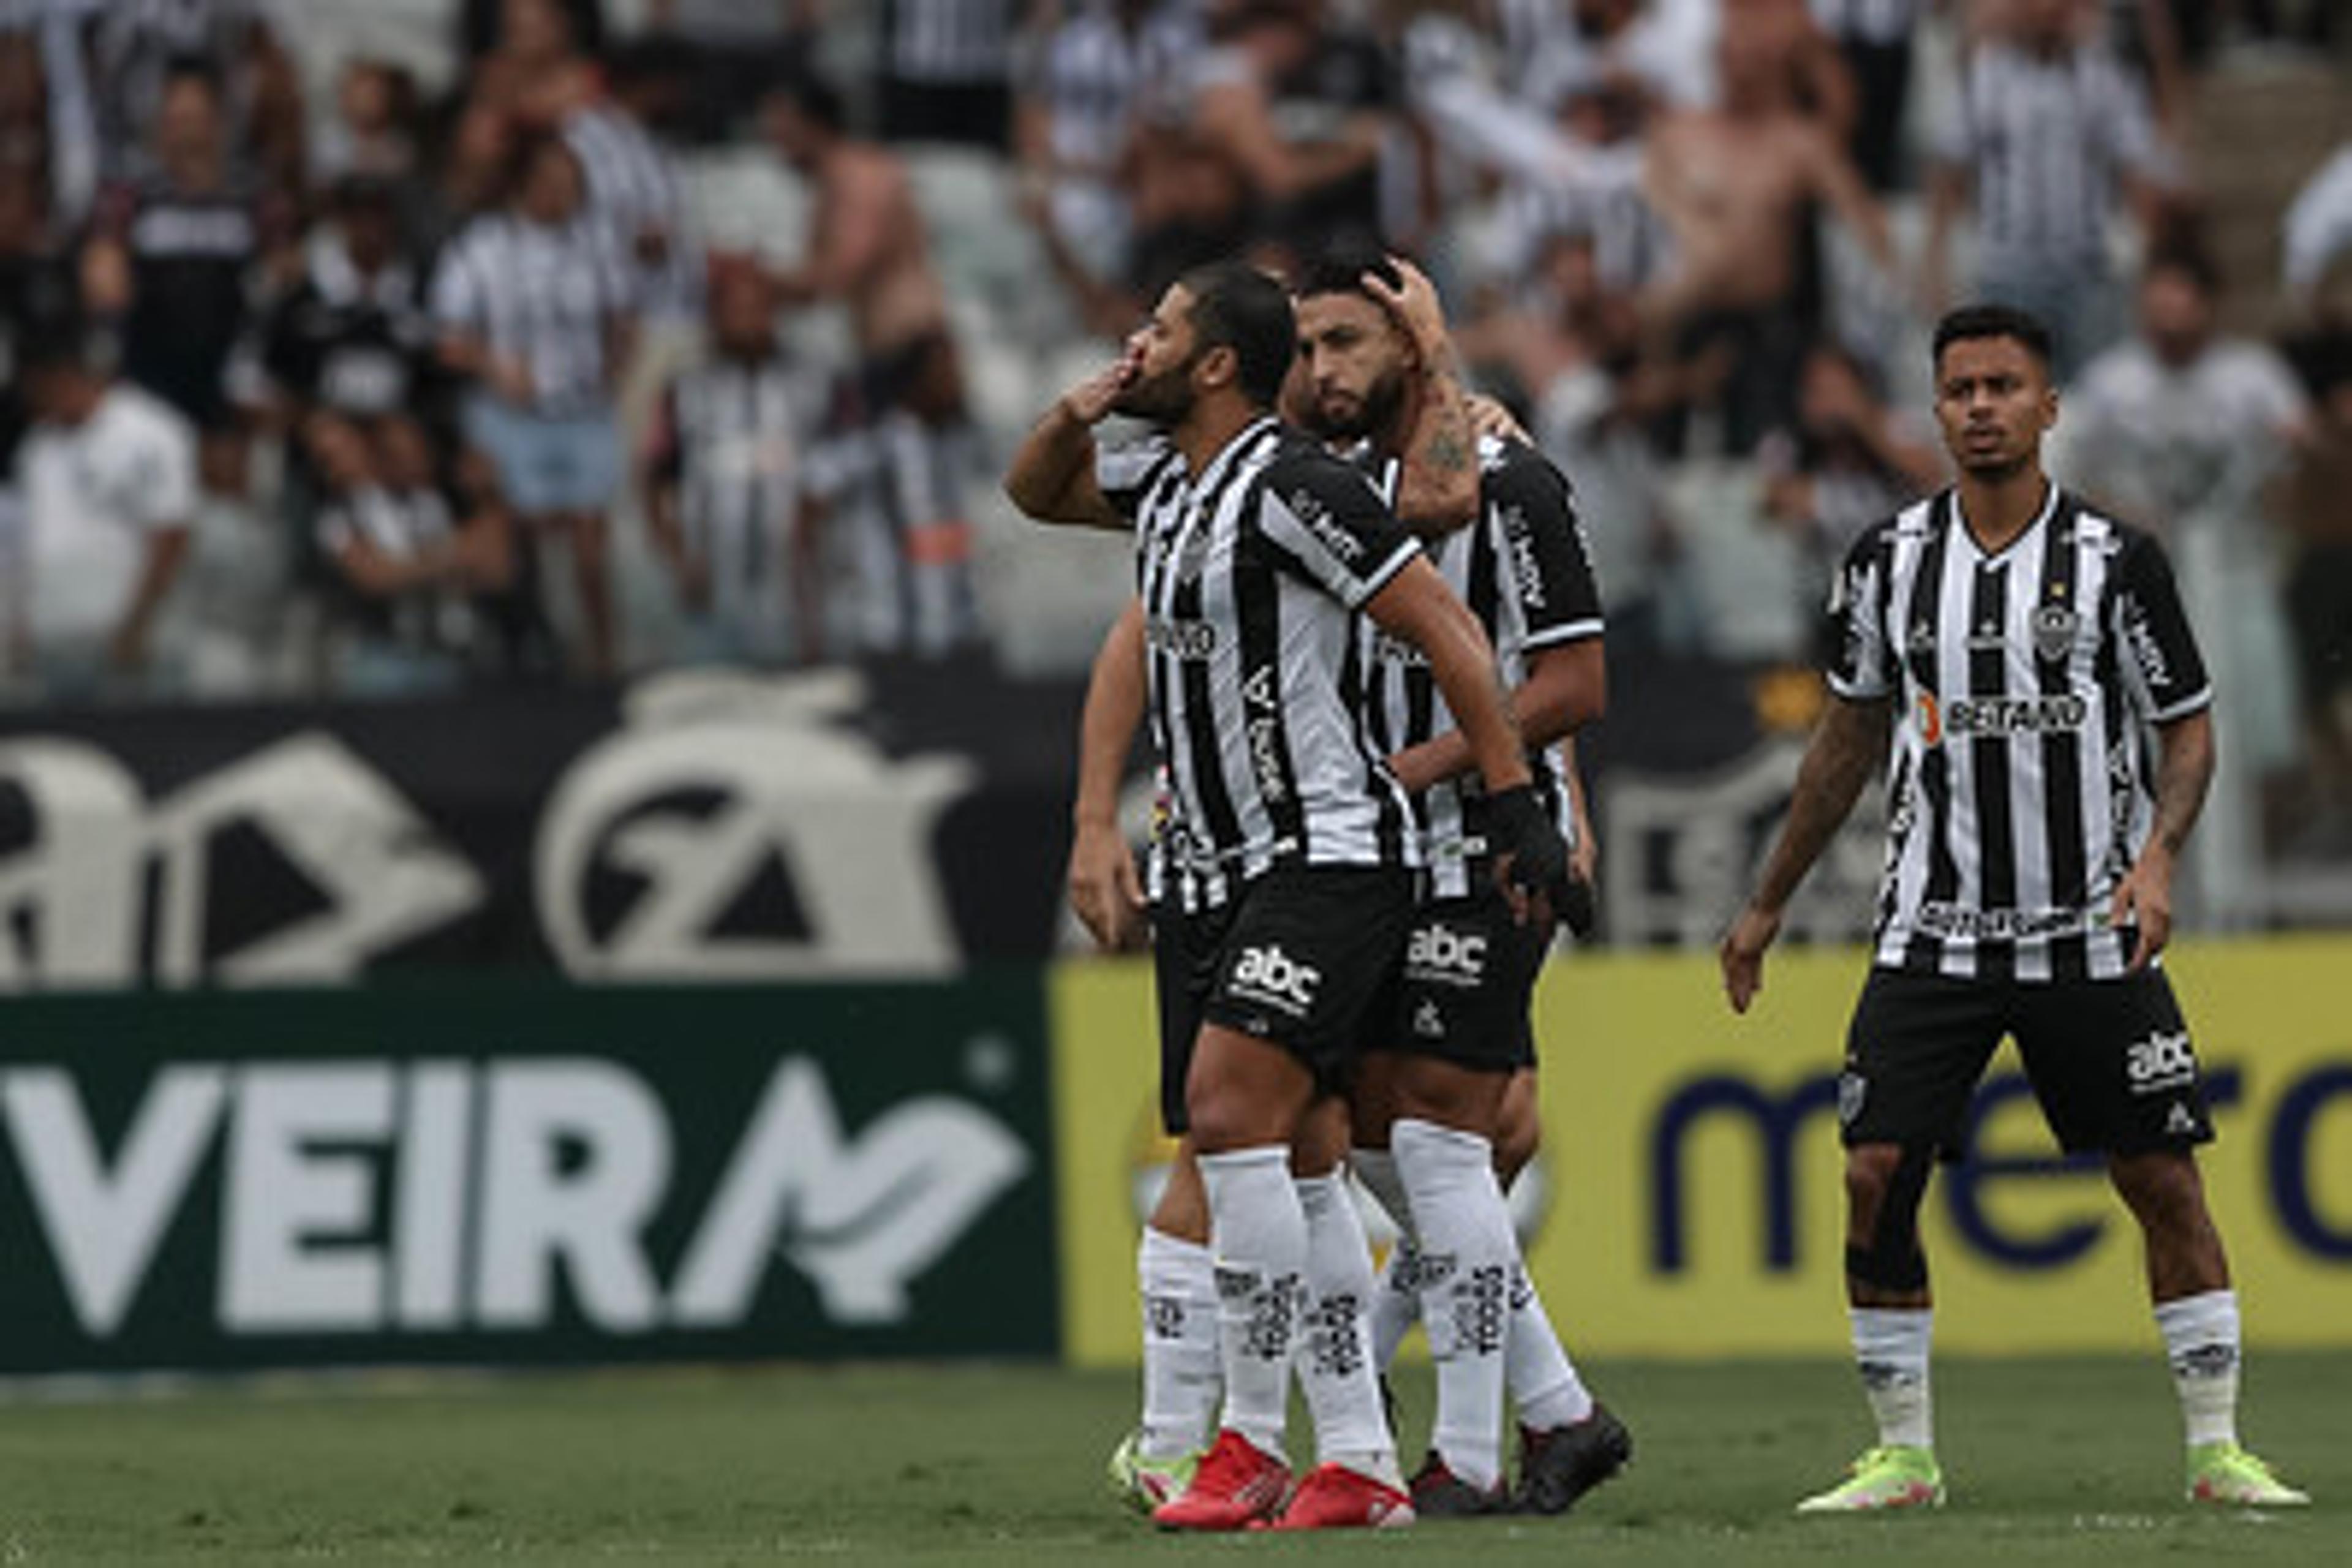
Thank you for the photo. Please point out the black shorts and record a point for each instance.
(1301, 957)
(1462, 995)
(2109, 1061)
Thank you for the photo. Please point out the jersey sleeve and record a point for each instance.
(1546, 553)
(1863, 666)
(159, 474)
(2158, 652)
(1126, 473)
(456, 302)
(1323, 520)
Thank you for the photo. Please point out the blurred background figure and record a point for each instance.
(109, 478)
(2184, 430)
(2048, 136)
(403, 566)
(1846, 460)
(745, 458)
(1736, 187)
(869, 250)
(732, 50)
(533, 310)
(943, 72)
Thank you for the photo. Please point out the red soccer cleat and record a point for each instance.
(1334, 1497)
(1236, 1485)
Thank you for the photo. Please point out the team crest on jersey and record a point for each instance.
(1853, 1089)
(2054, 627)
(1192, 554)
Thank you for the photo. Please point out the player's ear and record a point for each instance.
(1221, 366)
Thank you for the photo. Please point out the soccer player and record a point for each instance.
(1429, 1103)
(1290, 843)
(1433, 488)
(2020, 647)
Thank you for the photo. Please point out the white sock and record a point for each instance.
(1890, 1347)
(1259, 1237)
(1396, 1291)
(2200, 1340)
(1335, 1346)
(1468, 1255)
(1543, 1382)
(1177, 1281)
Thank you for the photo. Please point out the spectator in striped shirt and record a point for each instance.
(1073, 112)
(2048, 129)
(403, 566)
(633, 192)
(531, 311)
(741, 465)
(869, 250)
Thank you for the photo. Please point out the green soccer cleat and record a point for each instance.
(1885, 1478)
(2226, 1474)
(1144, 1484)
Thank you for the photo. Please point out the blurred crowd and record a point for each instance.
(363, 388)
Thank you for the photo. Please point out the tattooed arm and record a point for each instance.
(1847, 747)
(2183, 771)
(1437, 484)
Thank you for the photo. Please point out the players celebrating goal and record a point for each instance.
(1292, 843)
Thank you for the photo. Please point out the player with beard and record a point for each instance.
(1291, 848)
(1430, 1103)
(1433, 489)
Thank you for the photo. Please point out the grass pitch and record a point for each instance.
(2049, 1461)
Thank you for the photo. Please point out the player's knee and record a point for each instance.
(1518, 1133)
(1884, 1187)
(1869, 1172)
(2163, 1191)
(1224, 1117)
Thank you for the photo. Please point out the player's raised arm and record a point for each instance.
(1437, 482)
(1052, 475)
(1848, 746)
(1103, 889)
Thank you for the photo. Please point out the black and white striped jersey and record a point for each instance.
(2046, 139)
(540, 294)
(948, 40)
(1085, 72)
(1251, 574)
(2021, 784)
(746, 442)
(633, 194)
(1524, 570)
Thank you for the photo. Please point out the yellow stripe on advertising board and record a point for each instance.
(1691, 1166)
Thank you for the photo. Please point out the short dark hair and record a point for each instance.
(817, 99)
(1340, 270)
(1971, 322)
(1236, 306)
(196, 69)
(2193, 262)
(61, 340)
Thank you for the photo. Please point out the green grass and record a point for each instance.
(2050, 1461)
